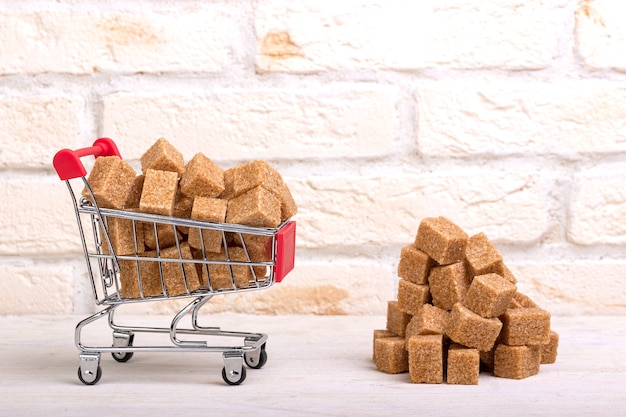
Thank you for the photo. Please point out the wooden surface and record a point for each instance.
(317, 365)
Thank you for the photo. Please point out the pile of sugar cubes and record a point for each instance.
(251, 194)
(458, 310)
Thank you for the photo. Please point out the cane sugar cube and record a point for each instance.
(222, 276)
(379, 334)
(426, 359)
(182, 205)
(486, 358)
(159, 192)
(397, 320)
(489, 295)
(257, 207)
(202, 177)
(463, 365)
(122, 234)
(428, 320)
(448, 284)
(516, 362)
(180, 277)
(259, 249)
(134, 196)
(144, 275)
(288, 206)
(525, 326)
(482, 257)
(229, 184)
(167, 235)
(391, 357)
(254, 174)
(210, 210)
(162, 156)
(549, 350)
(508, 275)
(111, 180)
(442, 240)
(469, 329)
(411, 296)
(414, 265)
(522, 301)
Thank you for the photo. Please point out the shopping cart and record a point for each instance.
(118, 279)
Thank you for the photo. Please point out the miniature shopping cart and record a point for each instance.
(118, 279)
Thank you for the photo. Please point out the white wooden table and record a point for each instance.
(317, 365)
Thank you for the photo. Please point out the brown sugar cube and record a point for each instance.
(469, 329)
(159, 192)
(391, 357)
(448, 284)
(489, 295)
(463, 365)
(162, 156)
(411, 297)
(482, 257)
(516, 362)
(428, 320)
(254, 174)
(525, 326)
(122, 233)
(288, 206)
(379, 334)
(522, 301)
(508, 275)
(257, 207)
(397, 320)
(229, 184)
(180, 277)
(441, 239)
(210, 210)
(111, 180)
(221, 276)
(134, 196)
(426, 359)
(414, 265)
(167, 234)
(549, 350)
(182, 209)
(202, 177)
(259, 249)
(133, 273)
(486, 358)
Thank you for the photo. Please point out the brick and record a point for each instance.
(39, 288)
(358, 119)
(598, 207)
(469, 196)
(358, 35)
(477, 120)
(35, 127)
(37, 217)
(166, 40)
(550, 284)
(600, 35)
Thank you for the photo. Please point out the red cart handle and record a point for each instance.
(67, 163)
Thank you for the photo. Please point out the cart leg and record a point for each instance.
(233, 372)
(89, 371)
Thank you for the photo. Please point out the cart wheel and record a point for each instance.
(122, 340)
(89, 379)
(235, 378)
(256, 360)
(122, 356)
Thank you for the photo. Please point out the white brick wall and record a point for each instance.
(506, 116)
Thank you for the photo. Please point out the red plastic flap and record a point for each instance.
(285, 251)
(67, 162)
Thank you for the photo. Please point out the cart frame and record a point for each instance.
(105, 274)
